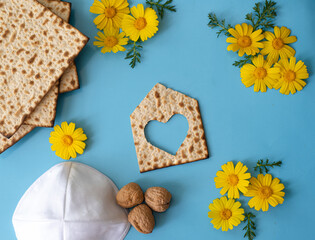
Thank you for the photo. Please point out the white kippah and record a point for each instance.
(71, 201)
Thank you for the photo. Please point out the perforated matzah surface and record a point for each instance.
(45, 112)
(36, 48)
(161, 104)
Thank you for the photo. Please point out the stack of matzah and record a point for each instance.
(37, 52)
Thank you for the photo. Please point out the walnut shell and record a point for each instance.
(130, 195)
(158, 198)
(141, 218)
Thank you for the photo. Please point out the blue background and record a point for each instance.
(240, 125)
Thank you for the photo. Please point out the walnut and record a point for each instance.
(141, 218)
(158, 198)
(130, 195)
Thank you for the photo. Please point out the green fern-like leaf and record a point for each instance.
(264, 166)
(160, 7)
(250, 226)
(243, 61)
(133, 53)
(214, 22)
(263, 15)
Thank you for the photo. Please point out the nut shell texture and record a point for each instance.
(158, 198)
(130, 195)
(141, 218)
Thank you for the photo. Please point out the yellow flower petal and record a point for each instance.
(239, 29)
(99, 19)
(238, 167)
(257, 35)
(96, 10)
(245, 28)
(277, 31)
(269, 36)
(285, 32)
(233, 47)
(290, 39)
(241, 52)
(234, 33)
(267, 180)
(231, 40)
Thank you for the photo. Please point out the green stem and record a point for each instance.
(257, 23)
(154, 3)
(223, 27)
(261, 165)
(134, 53)
(250, 226)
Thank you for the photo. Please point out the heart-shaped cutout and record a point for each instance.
(167, 136)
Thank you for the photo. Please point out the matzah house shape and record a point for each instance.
(161, 104)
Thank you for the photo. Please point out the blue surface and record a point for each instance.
(239, 124)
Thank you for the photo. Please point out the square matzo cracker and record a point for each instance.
(5, 143)
(36, 47)
(45, 112)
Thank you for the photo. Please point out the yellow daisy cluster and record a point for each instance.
(227, 213)
(264, 190)
(117, 26)
(266, 70)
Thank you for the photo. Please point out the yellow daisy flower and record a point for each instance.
(67, 141)
(260, 74)
(265, 191)
(244, 40)
(276, 44)
(232, 179)
(142, 24)
(111, 13)
(111, 40)
(292, 74)
(225, 213)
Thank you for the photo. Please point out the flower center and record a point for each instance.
(260, 73)
(140, 23)
(277, 43)
(67, 140)
(110, 41)
(289, 76)
(110, 12)
(244, 41)
(226, 214)
(233, 179)
(265, 192)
